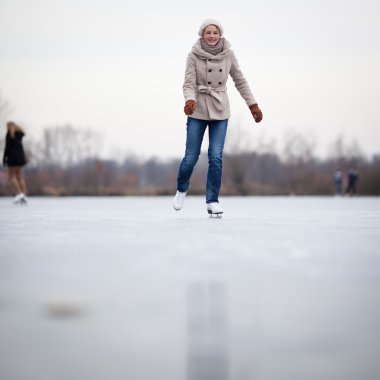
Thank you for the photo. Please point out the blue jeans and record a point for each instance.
(217, 130)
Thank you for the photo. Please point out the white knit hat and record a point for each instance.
(208, 22)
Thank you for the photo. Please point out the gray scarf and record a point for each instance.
(214, 50)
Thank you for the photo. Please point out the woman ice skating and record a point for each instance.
(206, 104)
(14, 158)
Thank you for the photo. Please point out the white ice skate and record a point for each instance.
(20, 199)
(178, 200)
(214, 209)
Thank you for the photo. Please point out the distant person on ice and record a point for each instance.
(208, 66)
(352, 180)
(14, 158)
(338, 180)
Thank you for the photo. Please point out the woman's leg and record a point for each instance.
(21, 180)
(194, 137)
(13, 180)
(217, 136)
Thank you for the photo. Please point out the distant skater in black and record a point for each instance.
(14, 158)
(352, 180)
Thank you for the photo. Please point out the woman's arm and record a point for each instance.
(190, 83)
(240, 82)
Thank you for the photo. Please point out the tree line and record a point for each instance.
(64, 162)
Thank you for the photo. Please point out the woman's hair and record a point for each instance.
(13, 128)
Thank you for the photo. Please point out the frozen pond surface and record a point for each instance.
(126, 288)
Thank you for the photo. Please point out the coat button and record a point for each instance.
(208, 82)
(220, 82)
(209, 70)
(220, 70)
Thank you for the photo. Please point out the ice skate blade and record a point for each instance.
(215, 214)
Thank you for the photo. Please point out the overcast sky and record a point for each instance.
(117, 66)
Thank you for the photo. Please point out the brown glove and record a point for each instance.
(256, 112)
(189, 107)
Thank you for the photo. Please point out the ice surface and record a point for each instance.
(127, 288)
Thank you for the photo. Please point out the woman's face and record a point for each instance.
(211, 35)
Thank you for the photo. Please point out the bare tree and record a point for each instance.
(298, 147)
(237, 159)
(66, 146)
(299, 161)
(5, 111)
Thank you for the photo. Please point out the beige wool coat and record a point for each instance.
(206, 76)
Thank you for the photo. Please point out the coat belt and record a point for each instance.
(215, 93)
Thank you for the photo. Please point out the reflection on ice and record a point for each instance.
(207, 354)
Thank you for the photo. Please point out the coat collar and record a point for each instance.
(198, 51)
